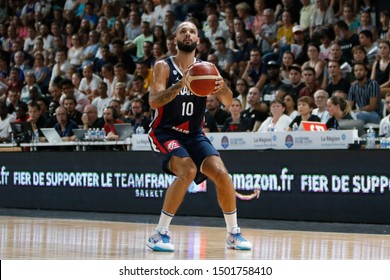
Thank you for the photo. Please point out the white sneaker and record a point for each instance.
(235, 240)
(160, 241)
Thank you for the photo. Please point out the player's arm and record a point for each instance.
(159, 94)
(223, 92)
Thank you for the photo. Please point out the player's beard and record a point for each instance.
(186, 48)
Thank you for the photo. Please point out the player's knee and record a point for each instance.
(220, 175)
(190, 172)
(187, 170)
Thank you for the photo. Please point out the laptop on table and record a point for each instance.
(51, 135)
(124, 130)
(80, 133)
(22, 131)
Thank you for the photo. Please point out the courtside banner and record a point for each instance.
(317, 185)
(278, 140)
(282, 140)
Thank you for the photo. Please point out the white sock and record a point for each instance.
(165, 220)
(231, 220)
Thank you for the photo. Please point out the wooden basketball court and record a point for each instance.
(29, 236)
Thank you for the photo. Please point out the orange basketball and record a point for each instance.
(200, 78)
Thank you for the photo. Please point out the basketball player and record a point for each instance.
(177, 139)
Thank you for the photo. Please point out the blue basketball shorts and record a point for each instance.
(198, 147)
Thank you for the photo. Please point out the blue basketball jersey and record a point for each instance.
(185, 113)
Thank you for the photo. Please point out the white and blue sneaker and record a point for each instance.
(235, 240)
(160, 241)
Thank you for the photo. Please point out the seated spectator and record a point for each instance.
(384, 23)
(278, 121)
(381, 67)
(137, 117)
(30, 84)
(138, 42)
(106, 58)
(359, 55)
(14, 83)
(313, 52)
(209, 125)
(242, 55)
(214, 31)
(244, 11)
(323, 15)
(320, 99)
(109, 78)
(65, 125)
(213, 106)
(267, 35)
(61, 66)
(39, 49)
(49, 111)
(203, 49)
(338, 110)
(287, 60)
(122, 76)
(138, 90)
(158, 53)
(118, 30)
(42, 73)
(116, 104)
(370, 46)
(13, 101)
(110, 118)
(91, 49)
(90, 118)
(5, 123)
(133, 26)
(290, 100)
(336, 79)
(350, 17)
(295, 78)
(122, 56)
(364, 94)
(311, 86)
(89, 83)
(36, 118)
(306, 14)
(305, 108)
(326, 36)
(224, 54)
(284, 35)
(148, 13)
(142, 69)
(241, 92)
(255, 72)
(21, 113)
(257, 111)
(76, 51)
(236, 122)
(384, 125)
(69, 102)
(34, 94)
(56, 90)
(170, 23)
(69, 90)
(90, 15)
(346, 38)
(120, 95)
(367, 24)
(102, 101)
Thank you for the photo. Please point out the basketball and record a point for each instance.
(200, 78)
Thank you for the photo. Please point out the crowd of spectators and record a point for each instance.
(284, 61)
